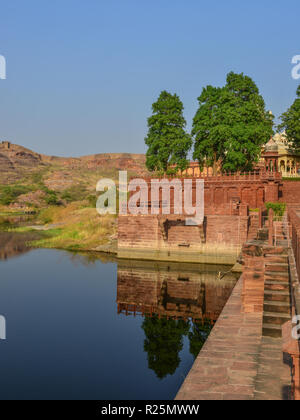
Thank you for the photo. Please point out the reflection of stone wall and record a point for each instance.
(176, 291)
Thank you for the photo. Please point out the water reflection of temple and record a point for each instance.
(176, 291)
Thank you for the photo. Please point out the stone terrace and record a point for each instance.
(237, 362)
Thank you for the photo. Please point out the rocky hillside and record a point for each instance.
(18, 164)
(16, 161)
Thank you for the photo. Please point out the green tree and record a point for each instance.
(249, 124)
(167, 141)
(231, 125)
(209, 127)
(291, 123)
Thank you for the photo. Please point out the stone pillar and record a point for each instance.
(260, 218)
(253, 279)
(271, 227)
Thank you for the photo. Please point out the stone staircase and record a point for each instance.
(277, 296)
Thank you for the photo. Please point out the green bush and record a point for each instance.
(51, 198)
(75, 193)
(10, 193)
(92, 199)
(37, 178)
(279, 208)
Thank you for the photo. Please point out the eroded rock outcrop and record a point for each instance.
(59, 173)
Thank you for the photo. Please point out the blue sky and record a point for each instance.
(82, 75)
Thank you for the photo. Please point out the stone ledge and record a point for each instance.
(236, 362)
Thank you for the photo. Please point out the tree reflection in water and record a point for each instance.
(179, 303)
(164, 341)
(198, 335)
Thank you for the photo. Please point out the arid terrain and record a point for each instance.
(18, 164)
(61, 193)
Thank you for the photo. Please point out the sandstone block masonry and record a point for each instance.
(289, 192)
(218, 240)
(228, 222)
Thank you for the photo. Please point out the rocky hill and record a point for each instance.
(18, 164)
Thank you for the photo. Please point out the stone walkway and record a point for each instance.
(236, 362)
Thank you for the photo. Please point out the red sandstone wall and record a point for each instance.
(226, 215)
(139, 231)
(148, 231)
(219, 192)
(183, 235)
(290, 192)
(231, 230)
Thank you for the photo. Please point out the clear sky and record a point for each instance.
(82, 74)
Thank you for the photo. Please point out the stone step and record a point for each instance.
(276, 267)
(278, 250)
(277, 292)
(277, 259)
(277, 285)
(275, 263)
(274, 276)
(275, 318)
(278, 307)
(277, 279)
(271, 330)
(277, 296)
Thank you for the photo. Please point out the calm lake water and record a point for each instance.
(79, 327)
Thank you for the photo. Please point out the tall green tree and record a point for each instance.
(231, 125)
(167, 141)
(209, 127)
(291, 123)
(250, 125)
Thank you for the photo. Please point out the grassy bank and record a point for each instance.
(74, 227)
